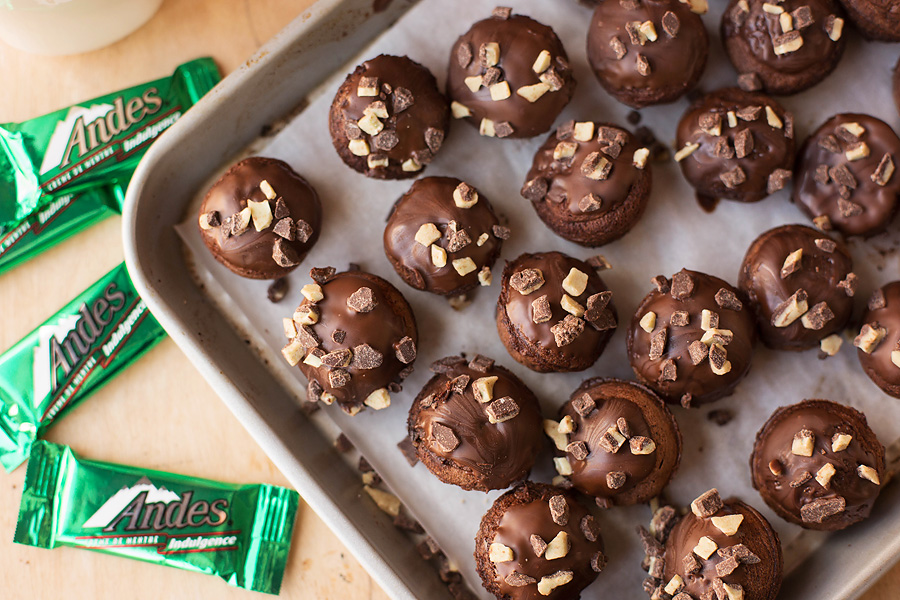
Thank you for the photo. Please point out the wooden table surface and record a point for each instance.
(159, 413)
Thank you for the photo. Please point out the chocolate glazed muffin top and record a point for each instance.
(691, 340)
(556, 310)
(622, 443)
(475, 424)
(845, 175)
(647, 52)
(878, 343)
(818, 464)
(720, 549)
(287, 222)
(442, 236)
(509, 76)
(800, 284)
(388, 120)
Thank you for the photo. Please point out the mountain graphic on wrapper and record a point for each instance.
(121, 499)
(56, 147)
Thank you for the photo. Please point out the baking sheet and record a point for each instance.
(674, 233)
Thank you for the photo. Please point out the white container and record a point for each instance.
(70, 26)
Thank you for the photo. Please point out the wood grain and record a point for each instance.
(150, 414)
(159, 413)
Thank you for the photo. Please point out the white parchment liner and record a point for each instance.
(674, 233)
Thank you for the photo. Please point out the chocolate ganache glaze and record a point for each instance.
(463, 437)
(880, 356)
(817, 464)
(509, 76)
(736, 145)
(354, 338)
(525, 522)
(789, 48)
(800, 285)
(589, 182)
(624, 444)
(720, 549)
(647, 52)
(388, 118)
(845, 175)
(691, 339)
(233, 236)
(536, 328)
(434, 228)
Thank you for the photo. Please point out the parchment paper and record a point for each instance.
(674, 233)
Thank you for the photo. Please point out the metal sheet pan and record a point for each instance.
(268, 87)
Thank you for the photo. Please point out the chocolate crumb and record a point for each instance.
(578, 450)
(277, 290)
(535, 190)
(690, 564)
(670, 23)
(682, 286)
(502, 410)
(408, 450)
(662, 284)
(668, 371)
(444, 437)
(407, 523)
(749, 82)
(362, 300)
(405, 350)
(848, 284)
(459, 383)
(622, 426)
(727, 566)
(428, 548)
(687, 399)
(876, 301)
(707, 504)
(338, 336)
(618, 48)
(464, 55)
(338, 378)
(615, 479)
(822, 508)
(723, 148)
(590, 528)
(540, 310)
(516, 579)
(342, 443)
(284, 254)
(559, 510)
(500, 232)
(728, 300)
(658, 343)
(599, 263)
(503, 129)
(584, 405)
(401, 99)
(481, 363)
(842, 174)
(321, 274)
(743, 143)
(698, 352)
(527, 281)
(801, 479)
(778, 180)
(818, 316)
(446, 364)
(720, 416)
(366, 357)
(733, 177)
(679, 318)
(849, 209)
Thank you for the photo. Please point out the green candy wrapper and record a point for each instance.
(79, 159)
(77, 350)
(61, 218)
(242, 533)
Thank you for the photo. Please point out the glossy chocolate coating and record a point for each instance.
(878, 365)
(760, 581)
(534, 344)
(773, 148)
(749, 41)
(250, 253)
(818, 275)
(390, 321)
(875, 19)
(647, 416)
(490, 456)
(521, 39)
(699, 380)
(624, 193)
(512, 520)
(878, 203)
(824, 419)
(429, 112)
(430, 200)
(676, 63)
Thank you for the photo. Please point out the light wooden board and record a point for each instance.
(160, 413)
